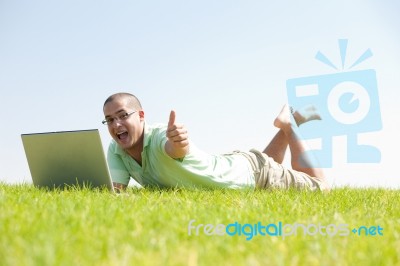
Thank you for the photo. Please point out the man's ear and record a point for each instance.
(141, 115)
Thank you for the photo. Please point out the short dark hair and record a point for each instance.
(134, 100)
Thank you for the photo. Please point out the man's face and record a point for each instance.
(126, 130)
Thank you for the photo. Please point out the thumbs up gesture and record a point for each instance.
(177, 145)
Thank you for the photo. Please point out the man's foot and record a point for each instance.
(282, 121)
(301, 116)
(305, 114)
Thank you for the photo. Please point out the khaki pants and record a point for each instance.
(270, 174)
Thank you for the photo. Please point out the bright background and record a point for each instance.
(222, 65)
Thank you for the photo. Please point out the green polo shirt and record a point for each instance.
(197, 169)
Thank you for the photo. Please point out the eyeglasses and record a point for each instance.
(120, 117)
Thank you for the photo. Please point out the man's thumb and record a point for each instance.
(172, 116)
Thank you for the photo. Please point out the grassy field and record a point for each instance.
(151, 227)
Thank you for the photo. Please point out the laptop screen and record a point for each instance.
(67, 158)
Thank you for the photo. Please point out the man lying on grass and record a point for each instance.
(163, 156)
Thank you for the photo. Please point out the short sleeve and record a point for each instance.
(118, 171)
(159, 139)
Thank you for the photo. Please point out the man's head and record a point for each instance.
(124, 117)
(132, 99)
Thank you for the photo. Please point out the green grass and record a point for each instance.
(150, 227)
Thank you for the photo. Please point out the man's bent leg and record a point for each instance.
(276, 149)
(300, 159)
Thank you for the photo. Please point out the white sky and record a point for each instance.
(222, 65)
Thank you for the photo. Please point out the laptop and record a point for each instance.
(67, 159)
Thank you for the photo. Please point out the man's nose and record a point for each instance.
(116, 123)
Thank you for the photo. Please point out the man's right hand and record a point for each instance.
(177, 145)
(119, 187)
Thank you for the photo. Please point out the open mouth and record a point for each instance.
(122, 135)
